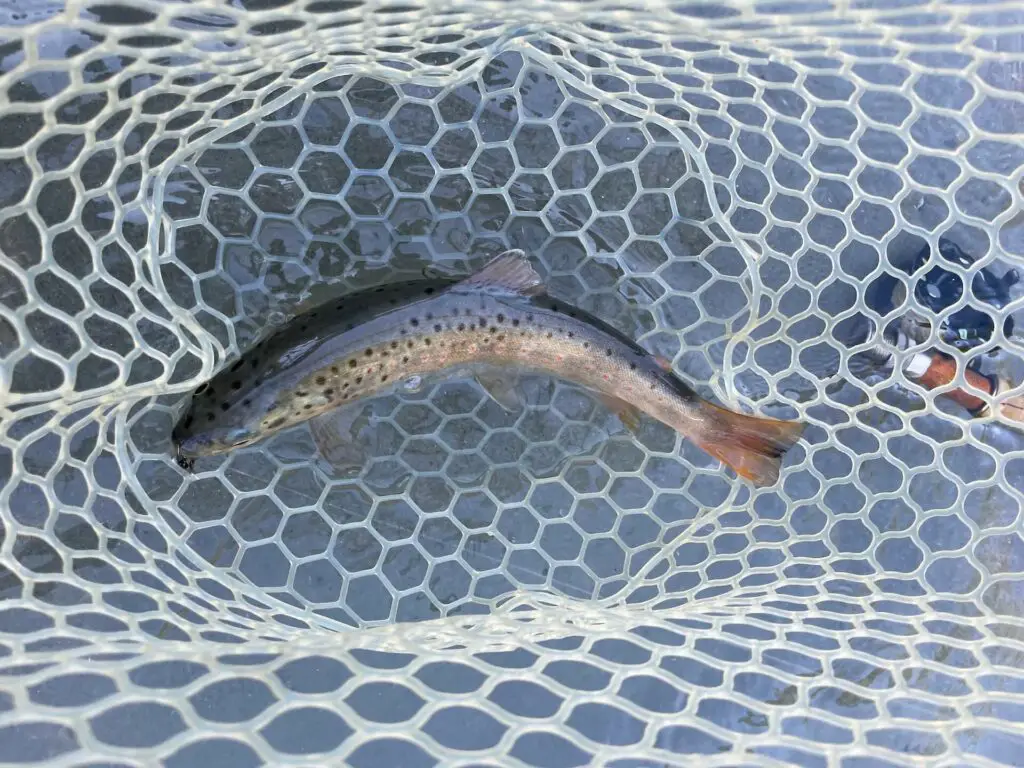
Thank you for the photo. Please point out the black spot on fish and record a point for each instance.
(414, 322)
(608, 352)
(210, 417)
(276, 423)
(247, 403)
(369, 353)
(501, 318)
(462, 326)
(529, 318)
(328, 392)
(571, 334)
(346, 385)
(334, 369)
(429, 291)
(405, 359)
(351, 363)
(301, 392)
(304, 327)
(493, 329)
(236, 385)
(632, 366)
(429, 316)
(483, 322)
(394, 345)
(321, 380)
(437, 327)
(550, 334)
(359, 379)
(427, 341)
(515, 322)
(307, 407)
(384, 377)
(586, 345)
(255, 363)
(224, 406)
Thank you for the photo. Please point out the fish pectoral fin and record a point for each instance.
(502, 386)
(441, 272)
(510, 272)
(334, 435)
(628, 413)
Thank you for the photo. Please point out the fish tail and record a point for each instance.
(753, 446)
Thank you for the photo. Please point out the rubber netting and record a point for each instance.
(729, 182)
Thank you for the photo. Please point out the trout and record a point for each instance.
(501, 319)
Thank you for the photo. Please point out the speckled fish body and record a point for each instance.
(499, 318)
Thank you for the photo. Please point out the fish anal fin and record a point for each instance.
(334, 435)
(511, 272)
(628, 413)
(502, 386)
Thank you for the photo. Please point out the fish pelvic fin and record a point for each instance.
(752, 446)
(510, 272)
(333, 434)
(502, 386)
(628, 413)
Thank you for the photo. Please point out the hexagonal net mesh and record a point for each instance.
(733, 184)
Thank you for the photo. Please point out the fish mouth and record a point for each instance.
(190, 447)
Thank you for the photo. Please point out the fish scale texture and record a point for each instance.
(724, 181)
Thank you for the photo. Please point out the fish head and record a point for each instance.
(205, 431)
(225, 413)
(191, 442)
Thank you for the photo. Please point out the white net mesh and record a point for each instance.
(730, 183)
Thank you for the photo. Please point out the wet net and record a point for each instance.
(754, 191)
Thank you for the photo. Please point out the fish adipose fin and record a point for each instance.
(751, 445)
(510, 272)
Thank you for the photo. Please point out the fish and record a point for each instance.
(498, 322)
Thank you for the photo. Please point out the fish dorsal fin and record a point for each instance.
(510, 272)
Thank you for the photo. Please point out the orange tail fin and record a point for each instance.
(751, 445)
